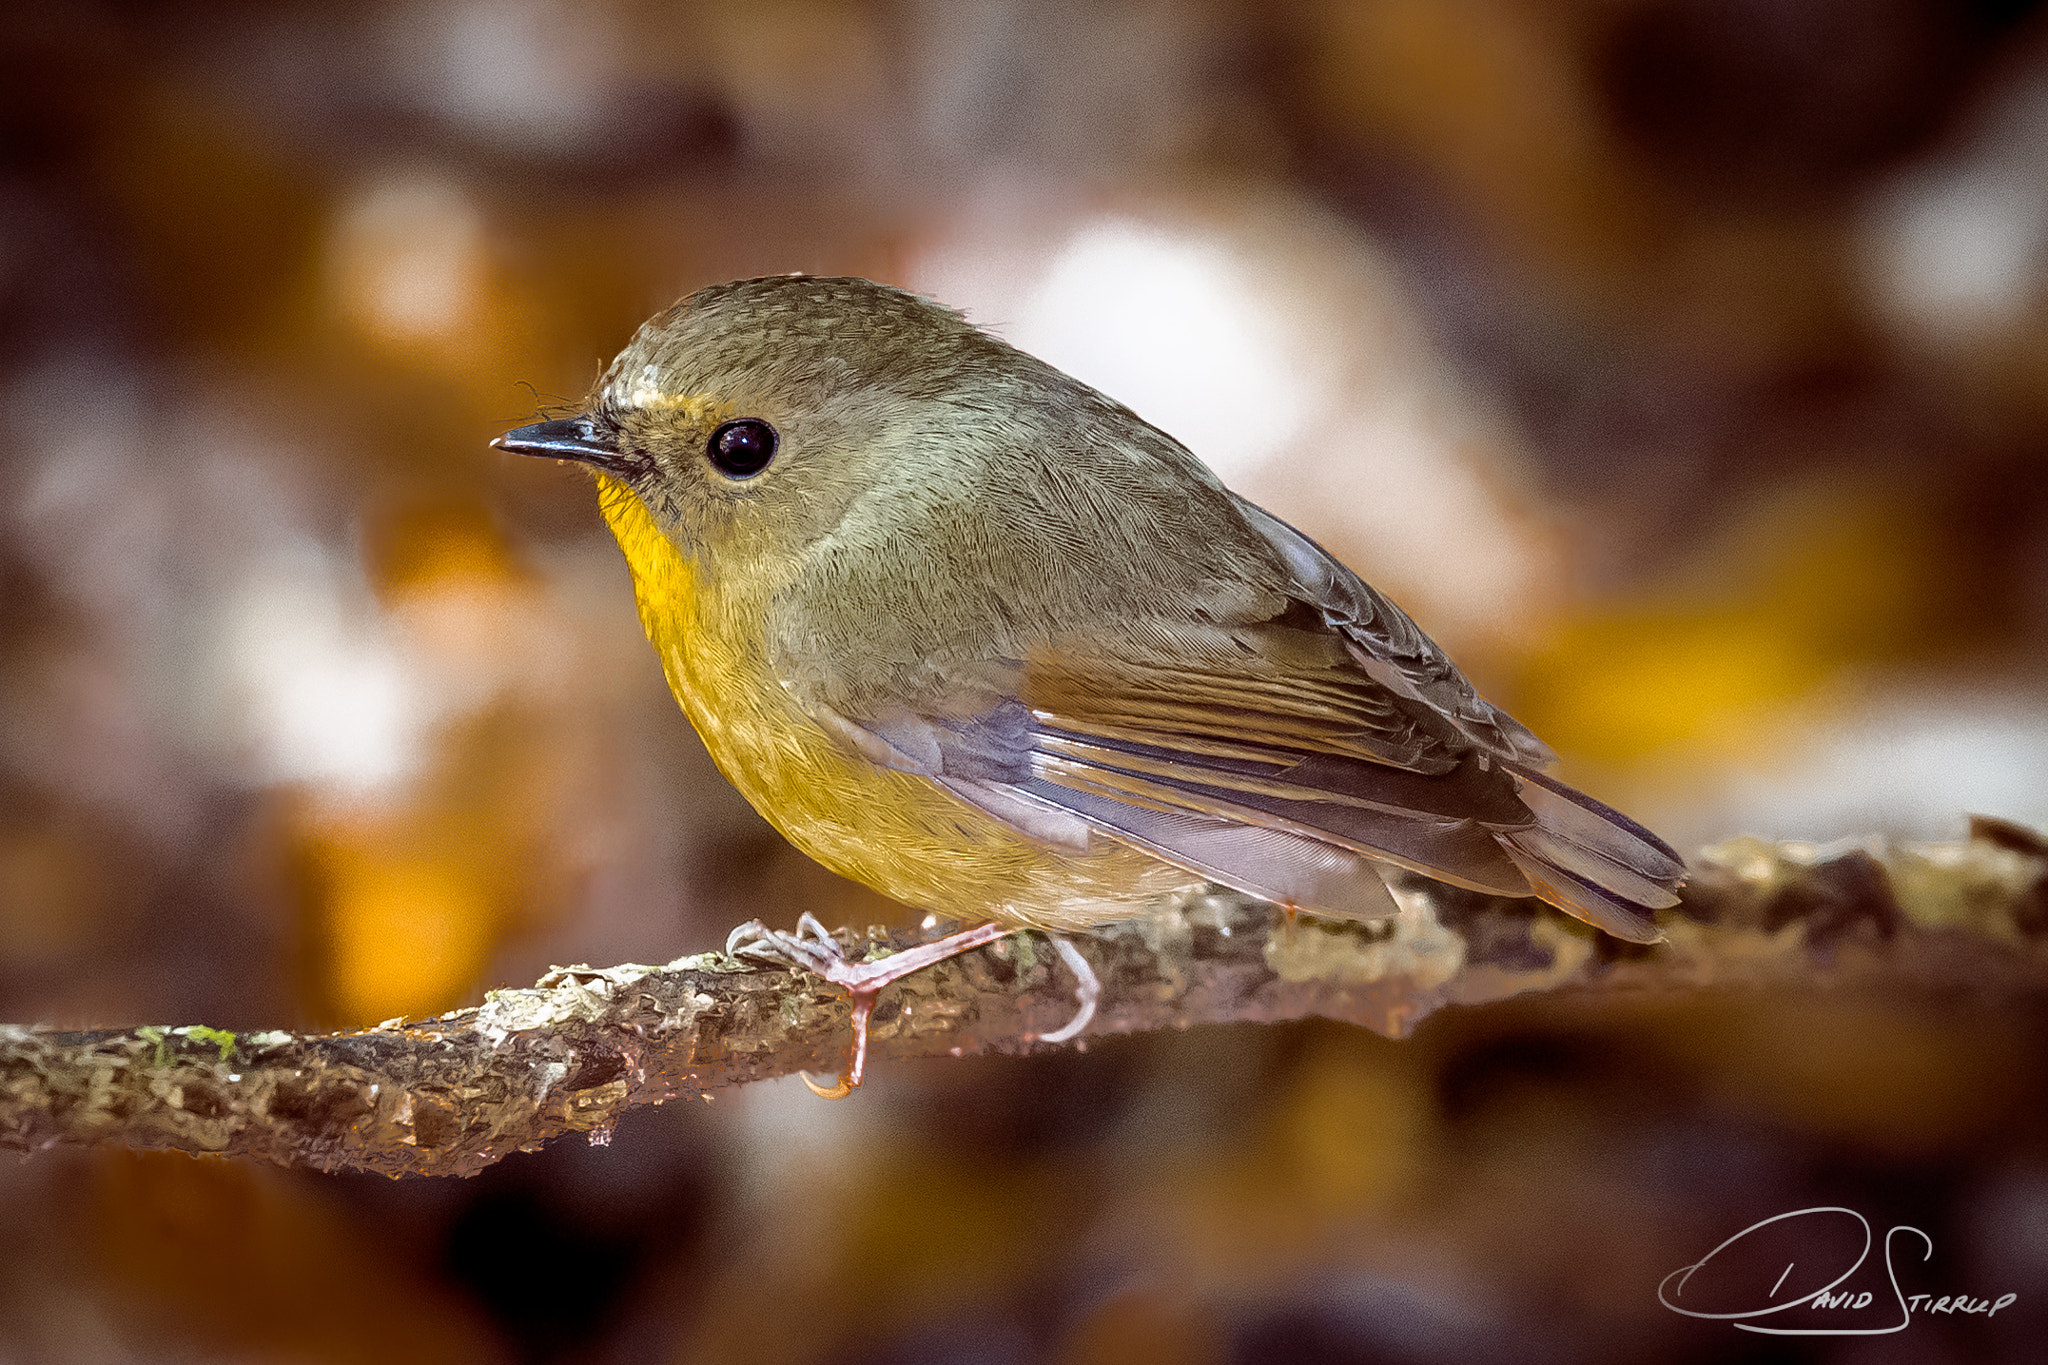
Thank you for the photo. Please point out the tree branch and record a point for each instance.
(448, 1096)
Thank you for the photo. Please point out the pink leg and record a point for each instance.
(816, 951)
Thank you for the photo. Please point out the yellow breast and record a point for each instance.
(901, 834)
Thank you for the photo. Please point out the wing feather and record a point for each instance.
(1285, 747)
(1390, 647)
(1331, 707)
(1461, 852)
(1272, 864)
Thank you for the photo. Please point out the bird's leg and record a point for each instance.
(813, 949)
(817, 952)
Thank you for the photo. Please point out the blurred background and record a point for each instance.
(1682, 365)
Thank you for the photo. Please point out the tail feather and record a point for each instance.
(1593, 824)
(1590, 865)
(1592, 861)
(1595, 905)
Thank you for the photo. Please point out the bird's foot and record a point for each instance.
(1087, 990)
(813, 949)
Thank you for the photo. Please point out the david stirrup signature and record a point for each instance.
(1802, 1261)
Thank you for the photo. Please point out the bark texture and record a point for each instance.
(450, 1095)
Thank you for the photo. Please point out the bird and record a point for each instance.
(972, 633)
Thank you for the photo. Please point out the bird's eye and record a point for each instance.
(743, 448)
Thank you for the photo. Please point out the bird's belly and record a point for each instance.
(901, 834)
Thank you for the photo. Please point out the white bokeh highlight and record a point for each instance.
(535, 74)
(407, 259)
(1904, 761)
(1957, 247)
(1172, 326)
(326, 693)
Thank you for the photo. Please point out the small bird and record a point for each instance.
(980, 637)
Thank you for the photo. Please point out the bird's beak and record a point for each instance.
(570, 438)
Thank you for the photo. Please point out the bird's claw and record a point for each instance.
(1087, 990)
(813, 949)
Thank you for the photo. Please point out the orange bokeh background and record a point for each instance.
(1682, 365)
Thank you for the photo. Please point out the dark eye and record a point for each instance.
(742, 449)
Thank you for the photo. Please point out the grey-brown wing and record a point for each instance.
(1254, 753)
(1390, 646)
(1290, 777)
